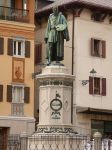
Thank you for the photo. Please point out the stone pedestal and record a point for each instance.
(54, 110)
(55, 100)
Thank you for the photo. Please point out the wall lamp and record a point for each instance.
(92, 74)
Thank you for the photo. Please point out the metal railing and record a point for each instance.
(12, 14)
(54, 142)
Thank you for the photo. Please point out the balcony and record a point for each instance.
(12, 14)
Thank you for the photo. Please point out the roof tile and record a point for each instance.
(107, 4)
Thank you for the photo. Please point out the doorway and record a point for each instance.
(3, 138)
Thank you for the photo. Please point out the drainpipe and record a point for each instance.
(73, 29)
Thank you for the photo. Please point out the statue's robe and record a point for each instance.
(55, 38)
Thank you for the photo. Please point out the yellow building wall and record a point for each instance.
(10, 30)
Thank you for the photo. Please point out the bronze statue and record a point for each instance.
(56, 32)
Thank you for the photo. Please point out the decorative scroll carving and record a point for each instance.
(56, 130)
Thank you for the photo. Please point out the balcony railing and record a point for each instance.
(12, 14)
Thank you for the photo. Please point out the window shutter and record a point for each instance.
(27, 49)
(91, 85)
(103, 49)
(1, 93)
(26, 94)
(38, 53)
(10, 47)
(9, 93)
(103, 86)
(92, 47)
(1, 46)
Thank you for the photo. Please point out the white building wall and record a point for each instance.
(84, 31)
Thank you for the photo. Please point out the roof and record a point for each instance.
(104, 4)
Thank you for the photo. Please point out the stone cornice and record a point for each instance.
(30, 119)
(55, 75)
(17, 25)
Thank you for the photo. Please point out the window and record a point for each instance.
(104, 127)
(38, 53)
(97, 16)
(17, 105)
(18, 94)
(18, 48)
(97, 86)
(24, 7)
(98, 48)
(24, 4)
(1, 2)
(97, 125)
(12, 3)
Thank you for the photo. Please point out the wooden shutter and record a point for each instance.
(10, 47)
(103, 49)
(91, 85)
(26, 94)
(27, 49)
(1, 93)
(1, 46)
(38, 53)
(92, 47)
(103, 86)
(9, 93)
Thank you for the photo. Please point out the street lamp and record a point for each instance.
(92, 74)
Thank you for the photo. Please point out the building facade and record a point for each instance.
(88, 56)
(17, 66)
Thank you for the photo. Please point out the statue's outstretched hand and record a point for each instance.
(57, 28)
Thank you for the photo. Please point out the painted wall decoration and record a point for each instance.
(18, 67)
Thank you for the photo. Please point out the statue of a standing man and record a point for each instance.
(57, 31)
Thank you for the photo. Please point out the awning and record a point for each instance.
(88, 110)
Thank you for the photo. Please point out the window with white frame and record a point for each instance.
(18, 48)
(18, 94)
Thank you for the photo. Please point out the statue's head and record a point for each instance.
(55, 10)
